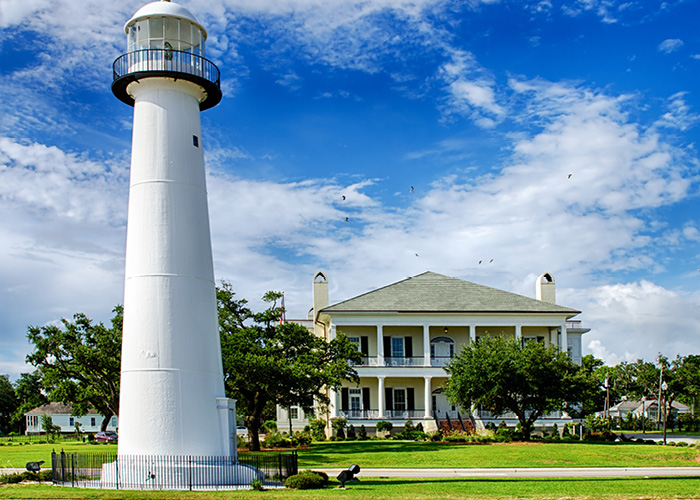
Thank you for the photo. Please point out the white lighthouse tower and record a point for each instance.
(172, 400)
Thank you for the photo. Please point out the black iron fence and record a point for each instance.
(161, 472)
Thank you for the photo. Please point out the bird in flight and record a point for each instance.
(343, 197)
(569, 177)
(411, 189)
(347, 219)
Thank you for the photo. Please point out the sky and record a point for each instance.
(486, 140)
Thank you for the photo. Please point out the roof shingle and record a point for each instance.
(432, 292)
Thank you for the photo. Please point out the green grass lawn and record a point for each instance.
(408, 454)
(377, 454)
(413, 489)
(16, 455)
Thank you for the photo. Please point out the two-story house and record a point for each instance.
(409, 330)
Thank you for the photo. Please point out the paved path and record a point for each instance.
(659, 436)
(528, 472)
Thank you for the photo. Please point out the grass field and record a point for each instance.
(374, 454)
(413, 489)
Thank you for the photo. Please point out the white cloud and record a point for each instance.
(670, 45)
(679, 115)
(639, 320)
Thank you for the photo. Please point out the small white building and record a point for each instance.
(62, 415)
(648, 408)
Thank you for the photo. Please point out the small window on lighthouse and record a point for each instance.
(195, 141)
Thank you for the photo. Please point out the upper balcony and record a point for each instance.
(403, 361)
(166, 63)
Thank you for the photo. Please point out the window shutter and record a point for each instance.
(344, 399)
(364, 346)
(365, 398)
(389, 398)
(410, 399)
(387, 347)
(408, 347)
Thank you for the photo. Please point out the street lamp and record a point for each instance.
(664, 388)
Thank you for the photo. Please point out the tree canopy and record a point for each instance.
(80, 363)
(8, 403)
(268, 362)
(503, 375)
(30, 394)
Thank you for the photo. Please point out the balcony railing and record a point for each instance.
(403, 414)
(133, 66)
(368, 361)
(403, 361)
(359, 414)
(375, 414)
(440, 360)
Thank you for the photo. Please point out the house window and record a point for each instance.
(355, 341)
(92, 421)
(71, 421)
(397, 347)
(293, 413)
(355, 400)
(400, 399)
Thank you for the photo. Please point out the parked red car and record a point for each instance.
(106, 437)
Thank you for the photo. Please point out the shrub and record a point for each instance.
(257, 484)
(46, 475)
(318, 429)
(307, 480)
(276, 440)
(338, 424)
(242, 441)
(270, 426)
(352, 434)
(384, 426)
(301, 438)
(362, 433)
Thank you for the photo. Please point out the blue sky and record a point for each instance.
(547, 136)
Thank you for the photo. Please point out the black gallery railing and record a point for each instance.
(157, 60)
(162, 472)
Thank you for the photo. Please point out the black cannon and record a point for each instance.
(34, 467)
(348, 475)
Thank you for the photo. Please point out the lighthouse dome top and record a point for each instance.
(164, 8)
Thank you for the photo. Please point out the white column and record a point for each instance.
(334, 403)
(564, 340)
(380, 396)
(518, 332)
(472, 332)
(426, 345)
(428, 399)
(380, 345)
(332, 333)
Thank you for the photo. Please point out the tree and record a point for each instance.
(589, 379)
(503, 375)
(268, 362)
(50, 429)
(8, 403)
(30, 394)
(686, 380)
(80, 363)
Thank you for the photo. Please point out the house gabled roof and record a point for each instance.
(432, 292)
(57, 409)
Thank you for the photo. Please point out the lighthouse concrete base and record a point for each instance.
(176, 473)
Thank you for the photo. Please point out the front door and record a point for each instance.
(443, 407)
